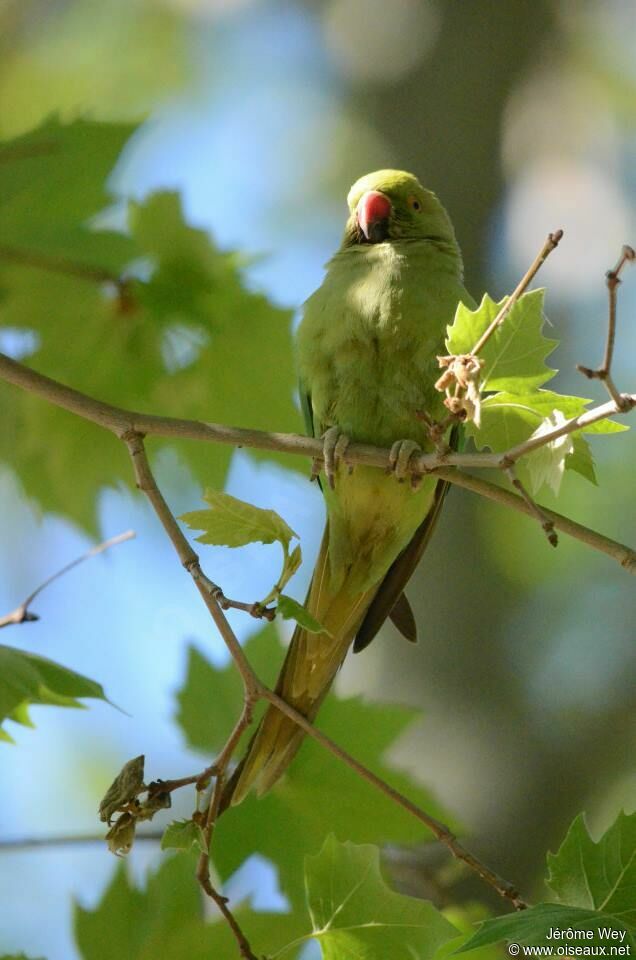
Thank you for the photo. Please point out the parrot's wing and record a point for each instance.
(308, 416)
(402, 617)
(307, 409)
(389, 600)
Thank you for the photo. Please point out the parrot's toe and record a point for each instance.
(402, 452)
(334, 447)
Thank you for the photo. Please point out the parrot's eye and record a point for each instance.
(414, 203)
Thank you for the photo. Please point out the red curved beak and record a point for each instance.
(373, 212)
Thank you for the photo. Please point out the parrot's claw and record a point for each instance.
(400, 457)
(334, 447)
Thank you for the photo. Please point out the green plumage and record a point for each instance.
(367, 349)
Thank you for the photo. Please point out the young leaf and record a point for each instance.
(234, 523)
(598, 875)
(546, 464)
(508, 419)
(182, 835)
(27, 678)
(533, 927)
(126, 786)
(514, 356)
(290, 609)
(355, 914)
(291, 564)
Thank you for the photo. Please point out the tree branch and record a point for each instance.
(123, 422)
(57, 264)
(619, 552)
(22, 612)
(547, 525)
(604, 372)
(78, 839)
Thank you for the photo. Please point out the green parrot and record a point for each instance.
(367, 352)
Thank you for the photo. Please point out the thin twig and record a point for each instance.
(221, 764)
(604, 372)
(243, 943)
(57, 264)
(547, 525)
(256, 610)
(551, 243)
(443, 833)
(189, 559)
(122, 422)
(580, 422)
(168, 786)
(252, 686)
(79, 839)
(21, 614)
(619, 552)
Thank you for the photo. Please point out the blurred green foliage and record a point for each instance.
(160, 291)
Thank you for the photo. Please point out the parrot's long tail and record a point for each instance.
(308, 671)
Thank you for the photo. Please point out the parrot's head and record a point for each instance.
(392, 205)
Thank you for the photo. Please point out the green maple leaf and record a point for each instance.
(514, 356)
(594, 884)
(508, 419)
(532, 926)
(26, 678)
(514, 370)
(182, 835)
(243, 373)
(355, 914)
(598, 875)
(234, 523)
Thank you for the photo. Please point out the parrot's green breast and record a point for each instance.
(367, 355)
(370, 337)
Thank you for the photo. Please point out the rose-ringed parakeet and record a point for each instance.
(367, 358)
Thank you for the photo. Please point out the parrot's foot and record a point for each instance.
(334, 447)
(400, 457)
